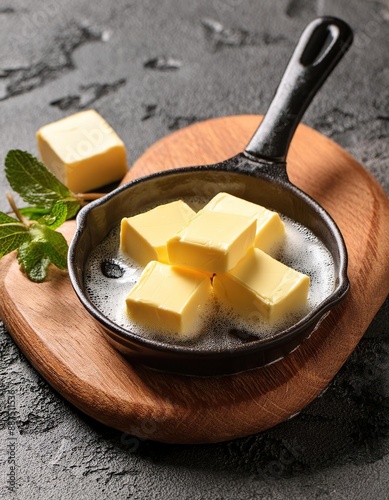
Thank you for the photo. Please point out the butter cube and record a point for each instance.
(212, 242)
(82, 151)
(143, 237)
(270, 228)
(262, 284)
(169, 299)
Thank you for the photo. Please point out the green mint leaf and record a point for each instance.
(12, 234)
(57, 216)
(56, 247)
(34, 213)
(35, 184)
(73, 206)
(33, 261)
(54, 244)
(46, 246)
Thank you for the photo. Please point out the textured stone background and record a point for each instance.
(150, 67)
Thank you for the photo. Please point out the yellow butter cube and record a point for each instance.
(212, 242)
(270, 228)
(82, 151)
(143, 237)
(262, 284)
(169, 299)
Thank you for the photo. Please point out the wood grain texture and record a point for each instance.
(66, 346)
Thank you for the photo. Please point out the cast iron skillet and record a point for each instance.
(257, 174)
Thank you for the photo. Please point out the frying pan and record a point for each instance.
(258, 174)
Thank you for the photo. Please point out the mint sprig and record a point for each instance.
(33, 231)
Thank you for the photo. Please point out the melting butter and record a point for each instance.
(212, 242)
(270, 228)
(261, 284)
(169, 299)
(143, 237)
(300, 249)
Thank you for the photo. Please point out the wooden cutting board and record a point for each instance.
(66, 346)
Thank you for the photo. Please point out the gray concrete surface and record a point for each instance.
(150, 67)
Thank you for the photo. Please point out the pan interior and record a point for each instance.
(199, 186)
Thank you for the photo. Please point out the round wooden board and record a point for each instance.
(66, 346)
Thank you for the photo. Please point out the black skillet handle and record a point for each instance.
(321, 46)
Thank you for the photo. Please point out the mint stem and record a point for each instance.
(16, 211)
(90, 196)
(85, 197)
